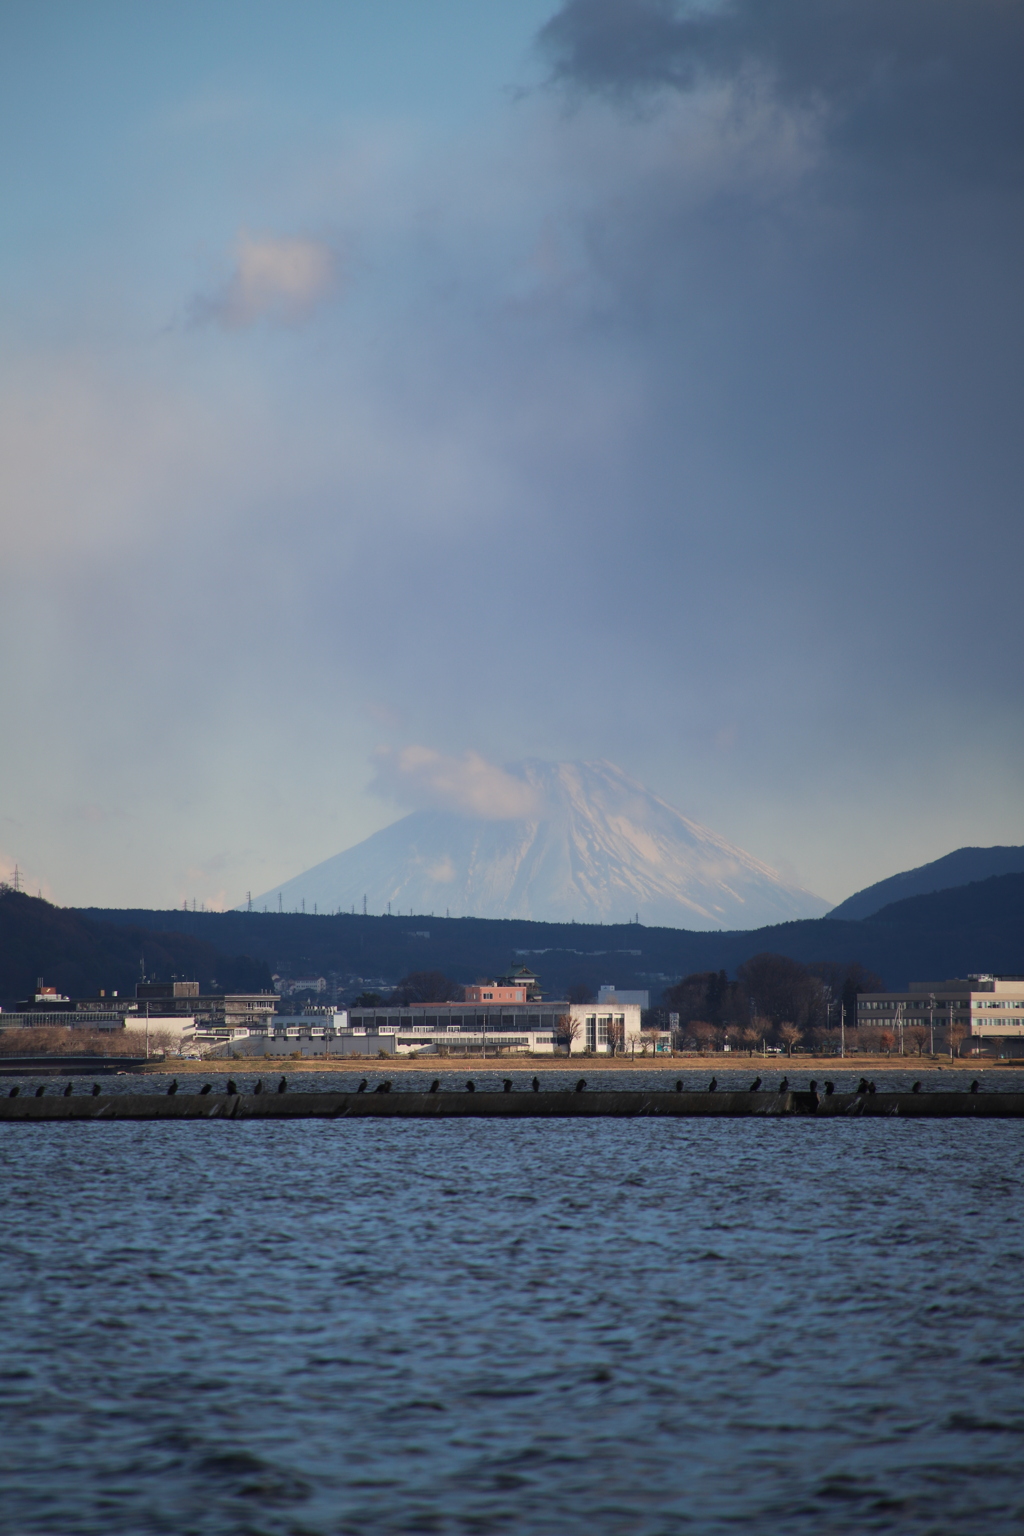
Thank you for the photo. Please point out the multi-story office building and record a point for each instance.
(985, 1007)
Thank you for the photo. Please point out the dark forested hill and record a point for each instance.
(79, 954)
(977, 927)
(959, 868)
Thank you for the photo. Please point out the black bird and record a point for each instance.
(871, 1087)
(581, 1085)
(39, 1092)
(435, 1085)
(784, 1085)
(536, 1085)
(679, 1085)
(96, 1090)
(755, 1085)
(506, 1083)
(471, 1086)
(713, 1085)
(862, 1086)
(974, 1086)
(362, 1086)
(382, 1087)
(259, 1085)
(14, 1092)
(231, 1087)
(282, 1086)
(69, 1090)
(206, 1088)
(830, 1088)
(915, 1087)
(172, 1090)
(386, 1085)
(812, 1089)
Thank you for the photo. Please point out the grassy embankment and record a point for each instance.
(812, 1066)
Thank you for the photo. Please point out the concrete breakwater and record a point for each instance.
(516, 1105)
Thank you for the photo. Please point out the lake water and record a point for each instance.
(643, 1326)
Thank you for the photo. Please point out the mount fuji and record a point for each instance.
(596, 847)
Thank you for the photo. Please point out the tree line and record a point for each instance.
(773, 999)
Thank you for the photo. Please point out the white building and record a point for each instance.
(472, 1027)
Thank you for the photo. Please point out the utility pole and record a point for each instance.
(899, 1024)
(842, 1031)
(931, 1023)
(951, 1029)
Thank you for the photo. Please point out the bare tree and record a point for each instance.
(916, 1035)
(567, 1030)
(705, 1034)
(955, 1036)
(650, 1033)
(886, 1041)
(616, 1036)
(790, 1035)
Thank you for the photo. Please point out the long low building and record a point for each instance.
(982, 1006)
(466, 1028)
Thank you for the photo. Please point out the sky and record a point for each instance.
(415, 384)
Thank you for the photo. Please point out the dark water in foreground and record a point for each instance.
(509, 1326)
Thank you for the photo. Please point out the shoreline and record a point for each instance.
(783, 1065)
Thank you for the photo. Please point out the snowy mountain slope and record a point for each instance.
(600, 849)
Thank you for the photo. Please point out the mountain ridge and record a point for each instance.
(964, 866)
(977, 927)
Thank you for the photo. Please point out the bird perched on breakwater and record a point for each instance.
(915, 1087)
(259, 1085)
(471, 1086)
(384, 1087)
(40, 1091)
(871, 1086)
(974, 1086)
(713, 1085)
(784, 1085)
(830, 1087)
(362, 1086)
(535, 1085)
(679, 1085)
(435, 1085)
(172, 1090)
(506, 1084)
(812, 1089)
(14, 1092)
(69, 1090)
(581, 1085)
(96, 1090)
(231, 1087)
(755, 1085)
(205, 1089)
(282, 1086)
(862, 1086)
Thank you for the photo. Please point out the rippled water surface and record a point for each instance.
(471, 1326)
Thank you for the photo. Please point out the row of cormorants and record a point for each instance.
(231, 1087)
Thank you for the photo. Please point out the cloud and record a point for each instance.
(273, 279)
(907, 81)
(469, 784)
